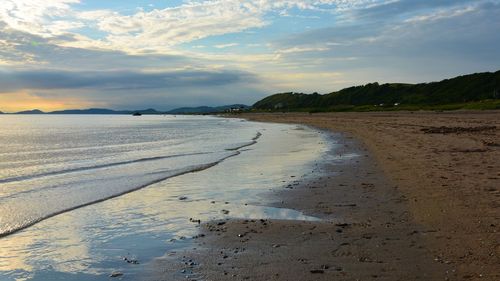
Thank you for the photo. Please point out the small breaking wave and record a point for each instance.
(79, 169)
(245, 144)
(77, 194)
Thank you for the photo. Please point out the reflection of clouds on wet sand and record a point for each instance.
(261, 212)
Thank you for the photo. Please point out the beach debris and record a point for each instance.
(132, 261)
(182, 198)
(224, 211)
(194, 220)
(345, 205)
(116, 274)
(276, 245)
(316, 271)
(490, 143)
(456, 130)
(368, 260)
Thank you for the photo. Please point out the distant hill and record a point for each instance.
(148, 111)
(89, 111)
(104, 111)
(34, 111)
(462, 89)
(207, 109)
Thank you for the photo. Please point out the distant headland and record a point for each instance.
(149, 111)
(473, 91)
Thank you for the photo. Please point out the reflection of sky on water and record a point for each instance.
(89, 243)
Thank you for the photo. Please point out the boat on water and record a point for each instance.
(137, 114)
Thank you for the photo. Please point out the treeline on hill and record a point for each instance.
(474, 91)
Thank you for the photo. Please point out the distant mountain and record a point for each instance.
(208, 109)
(148, 111)
(462, 89)
(104, 111)
(90, 111)
(34, 111)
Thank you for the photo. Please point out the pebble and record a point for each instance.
(116, 274)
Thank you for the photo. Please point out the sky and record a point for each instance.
(119, 54)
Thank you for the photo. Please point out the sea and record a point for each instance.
(83, 195)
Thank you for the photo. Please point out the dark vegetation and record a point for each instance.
(474, 91)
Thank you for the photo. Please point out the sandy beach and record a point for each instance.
(420, 203)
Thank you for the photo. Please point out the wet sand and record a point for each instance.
(420, 203)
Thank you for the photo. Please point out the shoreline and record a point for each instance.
(408, 216)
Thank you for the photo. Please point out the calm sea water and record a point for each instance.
(80, 193)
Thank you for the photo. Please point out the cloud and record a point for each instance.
(118, 80)
(397, 21)
(394, 9)
(157, 30)
(408, 41)
(223, 46)
(26, 50)
(52, 89)
(43, 18)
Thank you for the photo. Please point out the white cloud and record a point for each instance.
(302, 50)
(441, 14)
(158, 30)
(45, 18)
(222, 46)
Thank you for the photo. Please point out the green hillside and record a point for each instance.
(468, 91)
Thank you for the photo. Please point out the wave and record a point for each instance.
(79, 169)
(28, 221)
(88, 148)
(245, 144)
(192, 169)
